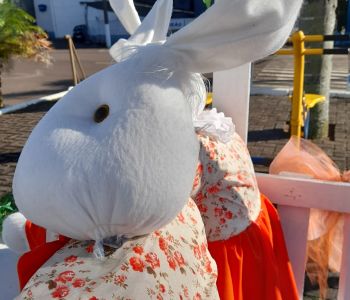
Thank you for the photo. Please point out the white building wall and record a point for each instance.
(44, 19)
(62, 16)
(66, 15)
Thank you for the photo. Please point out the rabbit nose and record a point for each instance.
(101, 113)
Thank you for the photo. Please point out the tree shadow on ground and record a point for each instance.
(43, 106)
(9, 157)
(38, 94)
(267, 135)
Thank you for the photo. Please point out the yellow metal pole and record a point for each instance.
(298, 39)
(314, 38)
(315, 51)
(285, 52)
(308, 51)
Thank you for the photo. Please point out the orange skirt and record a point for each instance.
(254, 265)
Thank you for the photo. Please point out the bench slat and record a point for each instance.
(231, 90)
(307, 193)
(295, 224)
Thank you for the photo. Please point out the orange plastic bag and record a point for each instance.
(301, 157)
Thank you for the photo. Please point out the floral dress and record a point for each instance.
(243, 229)
(171, 263)
(225, 188)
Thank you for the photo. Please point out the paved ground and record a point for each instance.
(29, 80)
(278, 71)
(268, 122)
(268, 115)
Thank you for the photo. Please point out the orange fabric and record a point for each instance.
(39, 253)
(36, 235)
(255, 263)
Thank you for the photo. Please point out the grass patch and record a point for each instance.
(7, 207)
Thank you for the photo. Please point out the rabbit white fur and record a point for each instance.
(132, 173)
(13, 233)
(127, 14)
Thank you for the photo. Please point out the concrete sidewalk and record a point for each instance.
(28, 79)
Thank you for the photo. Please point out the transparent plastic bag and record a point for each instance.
(300, 157)
(304, 157)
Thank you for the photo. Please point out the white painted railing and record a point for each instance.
(9, 286)
(295, 197)
(13, 108)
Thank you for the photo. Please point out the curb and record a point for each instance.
(19, 106)
(340, 93)
(270, 91)
(273, 91)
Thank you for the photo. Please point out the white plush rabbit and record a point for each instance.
(114, 160)
(104, 158)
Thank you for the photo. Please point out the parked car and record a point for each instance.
(80, 34)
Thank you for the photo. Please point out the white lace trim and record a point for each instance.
(215, 125)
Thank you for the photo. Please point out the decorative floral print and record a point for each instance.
(225, 188)
(171, 263)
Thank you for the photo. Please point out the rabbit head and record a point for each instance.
(117, 155)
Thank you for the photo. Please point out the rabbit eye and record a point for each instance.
(101, 113)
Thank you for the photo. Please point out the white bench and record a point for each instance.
(9, 286)
(294, 197)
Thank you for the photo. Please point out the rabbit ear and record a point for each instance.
(233, 32)
(127, 14)
(153, 29)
